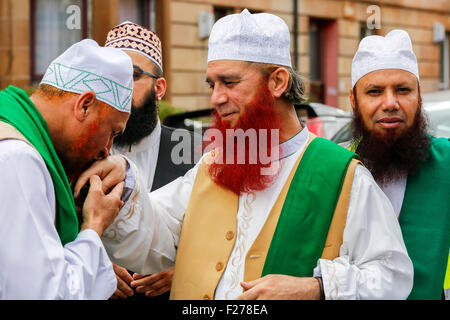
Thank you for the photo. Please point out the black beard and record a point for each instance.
(141, 123)
(391, 156)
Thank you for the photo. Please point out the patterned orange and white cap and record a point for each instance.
(133, 37)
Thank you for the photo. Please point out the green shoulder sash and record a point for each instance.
(19, 111)
(307, 212)
(425, 221)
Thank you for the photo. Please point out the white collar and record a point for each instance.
(295, 143)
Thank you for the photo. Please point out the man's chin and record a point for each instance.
(393, 133)
(75, 172)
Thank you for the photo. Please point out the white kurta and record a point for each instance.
(144, 155)
(373, 262)
(395, 191)
(33, 263)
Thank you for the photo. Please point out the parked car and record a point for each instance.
(436, 106)
(321, 119)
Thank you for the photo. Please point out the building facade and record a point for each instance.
(325, 36)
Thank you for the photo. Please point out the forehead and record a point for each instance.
(113, 117)
(140, 60)
(387, 77)
(224, 68)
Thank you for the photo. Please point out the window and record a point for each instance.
(220, 12)
(316, 60)
(52, 32)
(444, 66)
(364, 31)
(141, 12)
(323, 61)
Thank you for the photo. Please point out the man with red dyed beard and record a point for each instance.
(262, 215)
(410, 166)
(239, 168)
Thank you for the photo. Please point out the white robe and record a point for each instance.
(373, 262)
(33, 262)
(144, 155)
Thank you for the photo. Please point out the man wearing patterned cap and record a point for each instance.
(307, 223)
(145, 141)
(410, 166)
(46, 141)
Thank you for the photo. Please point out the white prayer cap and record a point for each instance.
(260, 37)
(87, 66)
(391, 52)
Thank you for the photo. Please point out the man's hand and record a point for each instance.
(99, 210)
(123, 283)
(281, 287)
(154, 284)
(111, 171)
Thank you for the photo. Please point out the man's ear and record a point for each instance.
(160, 88)
(84, 104)
(278, 82)
(352, 100)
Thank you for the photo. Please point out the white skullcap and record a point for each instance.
(391, 52)
(260, 37)
(87, 66)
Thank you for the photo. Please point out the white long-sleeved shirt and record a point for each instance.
(144, 154)
(373, 261)
(33, 262)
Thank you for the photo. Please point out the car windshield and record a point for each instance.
(437, 108)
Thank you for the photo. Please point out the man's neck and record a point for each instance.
(290, 124)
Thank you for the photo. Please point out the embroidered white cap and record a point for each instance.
(86, 66)
(394, 51)
(133, 37)
(259, 37)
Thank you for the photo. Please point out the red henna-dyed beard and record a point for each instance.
(245, 178)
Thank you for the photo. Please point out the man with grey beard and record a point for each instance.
(412, 167)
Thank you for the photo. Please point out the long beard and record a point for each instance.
(141, 123)
(391, 156)
(248, 176)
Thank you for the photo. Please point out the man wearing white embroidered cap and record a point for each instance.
(315, 227)
(412, 167)
(46, 141)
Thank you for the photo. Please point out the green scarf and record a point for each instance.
(425, 220)
(19, 111)
(302, 228)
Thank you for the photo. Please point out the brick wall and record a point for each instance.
(185, 53)
(14, 43)
(188, 53)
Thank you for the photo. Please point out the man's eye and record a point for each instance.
(404, 90)
(230, 83)
(373, 91)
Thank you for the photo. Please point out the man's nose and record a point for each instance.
(218, 96)
(105, 152)
(390, 100)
